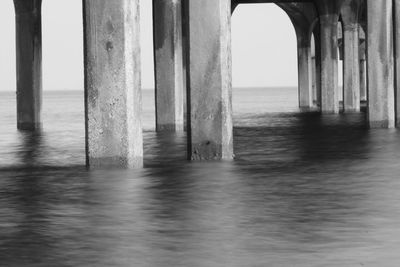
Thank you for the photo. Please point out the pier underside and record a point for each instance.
(192, 51)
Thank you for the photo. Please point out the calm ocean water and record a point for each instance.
(304, 190)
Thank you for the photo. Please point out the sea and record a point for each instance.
(305, 189)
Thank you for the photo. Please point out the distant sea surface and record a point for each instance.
(304, 190)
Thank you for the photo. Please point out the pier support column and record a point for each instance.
(28, 26)
(351, 48)
(318, 68)
(381, 109)
(112, 84)
(304, 69)
(168, 59)
(313, 80)
(351, 68)
(363, 80)
(209, 71)
(329, 63)
(397, 58)
(363, 64)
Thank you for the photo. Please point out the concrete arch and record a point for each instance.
(303, 17)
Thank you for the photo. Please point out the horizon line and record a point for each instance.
(152, 88)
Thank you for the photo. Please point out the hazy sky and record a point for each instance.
(263, 40)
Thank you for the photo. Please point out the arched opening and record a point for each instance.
(8, 136)
(7, 47)
(265, 80)
(264, 60)
(63, 83)
(62, 45)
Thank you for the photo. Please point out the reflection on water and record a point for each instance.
(305, 190)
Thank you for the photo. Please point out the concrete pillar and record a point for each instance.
(397, 58)
(314, 81)
(363, 80)
(304, 69)
(351, 69)
(363, 64)
(351, 50)
(313, 72)
(209, 85)
(381, 110)
(329, 63)
(318, 65)
(168, 59)
(185, 62)
(28, 26)
(112, 83)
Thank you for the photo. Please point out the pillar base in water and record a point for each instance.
(170, 128)
(209, 151)
(27, 126)
(381, 124)
(114, 162)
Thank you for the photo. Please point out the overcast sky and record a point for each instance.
(263, 39)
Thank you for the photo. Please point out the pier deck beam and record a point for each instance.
(381, 110)
(168, 58)
(351, 65)
(210, 134)
(112, 84)
(28, 26)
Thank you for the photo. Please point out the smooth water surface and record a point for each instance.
(304, 190)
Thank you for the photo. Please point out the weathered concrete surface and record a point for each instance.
(305, 76)
(168, 59)
(112, 84)
(363, 80)
(363, 65)
(318, 69)
(28, 26)
(381, 109)
(329, 16)
(329, 64)
(397, 58)
(210, 127)
(351, 67)
(313, 77)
